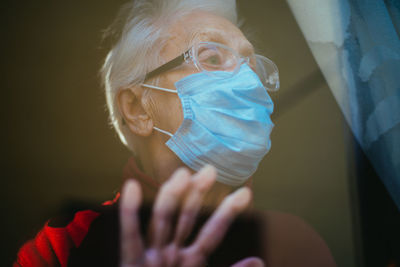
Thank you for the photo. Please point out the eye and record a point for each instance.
(210, 57)
(213, 60)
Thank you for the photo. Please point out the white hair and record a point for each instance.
(141, 29)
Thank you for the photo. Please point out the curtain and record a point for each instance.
(357, 47)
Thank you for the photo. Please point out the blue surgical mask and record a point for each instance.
(226, 123)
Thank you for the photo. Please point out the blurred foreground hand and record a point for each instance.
(182, 193)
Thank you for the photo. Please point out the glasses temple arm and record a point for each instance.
(167, 66)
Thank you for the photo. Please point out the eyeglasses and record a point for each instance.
(217, 59)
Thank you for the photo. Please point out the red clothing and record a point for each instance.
(52, 245)
(91, 237)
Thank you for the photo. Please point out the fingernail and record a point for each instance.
(209, 169)
(205, 177)
(242, 197)
(181, 172)
(131, 192)
(180, 178)
(208, 172)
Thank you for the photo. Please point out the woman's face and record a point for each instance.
(165, 108)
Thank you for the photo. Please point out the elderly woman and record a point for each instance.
(185, 88)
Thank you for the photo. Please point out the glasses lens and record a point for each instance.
(215, 57)
(268, 73)
(212, 57)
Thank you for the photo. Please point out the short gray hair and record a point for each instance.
(141, 29)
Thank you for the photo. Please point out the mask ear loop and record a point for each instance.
(165, 90)
(162, 131)
(159, 88)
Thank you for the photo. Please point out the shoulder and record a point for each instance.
(290, 241)
(52, 245)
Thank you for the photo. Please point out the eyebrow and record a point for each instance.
(246, 48)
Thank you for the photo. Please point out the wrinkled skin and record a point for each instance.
(144, 108)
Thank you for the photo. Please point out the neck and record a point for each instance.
(157, 161)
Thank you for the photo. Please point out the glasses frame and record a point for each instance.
(191, 56)
(169, 65)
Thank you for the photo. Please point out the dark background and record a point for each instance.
(57, 145)
(58, 148)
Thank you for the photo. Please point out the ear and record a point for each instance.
(132, 111)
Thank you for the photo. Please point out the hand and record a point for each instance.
(185, 193)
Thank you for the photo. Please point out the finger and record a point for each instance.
(167, 203)
(131, 241)
(192, 259)
(215, 228)
(250, 262)
(201, 183)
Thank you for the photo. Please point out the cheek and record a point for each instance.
(166, 111)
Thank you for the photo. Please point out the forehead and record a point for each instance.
(204, 26)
